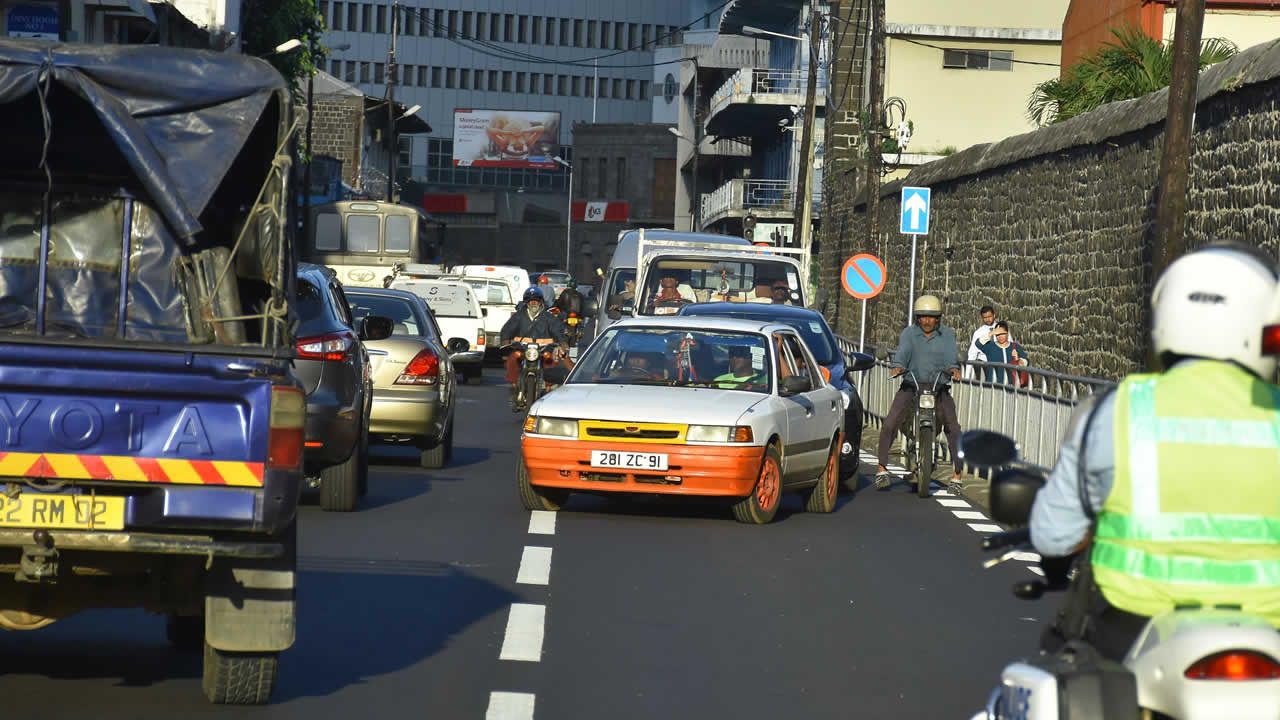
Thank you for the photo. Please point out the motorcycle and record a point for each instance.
(533, 355)
(918, 451)
(1187, 664)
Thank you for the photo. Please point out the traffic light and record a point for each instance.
(749, 227)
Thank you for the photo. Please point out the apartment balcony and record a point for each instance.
(716, 148)
(752, 102)
(766, 200)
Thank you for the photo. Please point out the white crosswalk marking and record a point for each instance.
(986, 527)
(968, 514)
(952, 503)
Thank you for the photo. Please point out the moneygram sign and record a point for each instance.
(505, 138)
(32, 21)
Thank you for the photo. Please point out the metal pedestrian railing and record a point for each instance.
(1035, 414)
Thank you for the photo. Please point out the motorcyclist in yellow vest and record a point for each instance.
(1181, 469)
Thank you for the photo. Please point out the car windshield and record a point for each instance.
(815, 335)
(445, 300)
(399, 310)
(672, 283)
(676, 357)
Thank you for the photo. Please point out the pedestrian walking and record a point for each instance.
(988, 316)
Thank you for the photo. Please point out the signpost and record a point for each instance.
(863, 277)
(913, 219)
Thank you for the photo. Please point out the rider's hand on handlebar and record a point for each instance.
(955, 373)
(895, 372)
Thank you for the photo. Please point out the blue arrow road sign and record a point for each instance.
(914, 211)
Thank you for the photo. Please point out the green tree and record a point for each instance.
(1130, 66)
(268, 23)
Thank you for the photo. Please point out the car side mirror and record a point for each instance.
(859, 362)
(794, 385)
(614, 314)
(555, 375)
(985, 448)
(1013, 494)
(484, 312)
(457, 345)
(376, 327)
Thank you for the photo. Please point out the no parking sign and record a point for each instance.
(863, 276)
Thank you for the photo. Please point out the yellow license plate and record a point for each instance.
(65, 512)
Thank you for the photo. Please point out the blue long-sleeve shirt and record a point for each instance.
(1058, 519)
(927, 355)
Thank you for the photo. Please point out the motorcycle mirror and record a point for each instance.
(555, 375)
(1013, 493)
(986, 448)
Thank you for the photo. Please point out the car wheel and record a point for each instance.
(822, 498)
(239, 678)
(448, 443)
(340, 484)
(536, 498)
(433, 458)
(762, 504)
(364, 466)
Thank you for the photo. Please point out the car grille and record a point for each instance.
(644, 434)
(631, 432)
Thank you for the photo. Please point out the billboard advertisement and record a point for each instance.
(505, 138)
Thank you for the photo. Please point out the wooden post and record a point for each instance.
(875, 115)
(1169, 233)
(804, 173)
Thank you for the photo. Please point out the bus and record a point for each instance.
(364, 240)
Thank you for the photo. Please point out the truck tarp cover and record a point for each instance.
(180, 117)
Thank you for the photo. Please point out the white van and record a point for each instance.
(496, 301)
(457, 311)
(516, 278)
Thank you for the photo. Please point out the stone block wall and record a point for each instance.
(336, 131)
(1051, 227)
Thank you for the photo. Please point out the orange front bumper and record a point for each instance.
(701, 469)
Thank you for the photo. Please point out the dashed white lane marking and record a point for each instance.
(523, 640)
(542, 522)
(535, 566)
(968, 514)
(952, 503)
(986, 527)
(1027, 557)
(1036, 570)
(510, 706)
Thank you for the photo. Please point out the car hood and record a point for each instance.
(648, 403)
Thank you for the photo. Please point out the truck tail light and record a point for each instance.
(480, 337)
(421, 370)
(1234, 665)
(334, 346)
(287, 425)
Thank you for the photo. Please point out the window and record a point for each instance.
(450, 77)
(548, 84)
(464, 79)
(508, 28)
(622, 178)
(364, 72)
(591, 33)
(479, 84)
(535, 82)
(377, 74)
(380, 18)
(577, 86)
(438, 29)
(562, 82)
(366, 18)
(493, 80)
(631, 89)
(423, 71)
(353, 17)
(537, 30)
(399, 230)
(405, 323)
(605, 26)
(633, 35)
(524, 30)
(521, 78)
(436, 75)
(549, 38)
(465, 30)
(617, 88)
(336, 22)
(328, 231)
(495, 27)
(362, 233)
(619, 31)
(644, 90)
(646, 34)
(590, 85)
(669, 88)
(564, 31)
(408, 22)
(978, 59)
(604, 87)
(577, 33)
(482, 26)
(506, 81)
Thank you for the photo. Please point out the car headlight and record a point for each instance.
(559, 427)
(718, 433)
(927, 401)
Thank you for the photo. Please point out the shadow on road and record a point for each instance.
(360, 618)
(98, 644)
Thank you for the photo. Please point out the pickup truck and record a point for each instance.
(151, 427)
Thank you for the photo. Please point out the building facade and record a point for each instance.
(1089, 23)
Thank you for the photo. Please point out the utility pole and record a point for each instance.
(875, 113)
(306, 169)
(804, 173)
(1169, 233)
(392, 148)
(697, 142)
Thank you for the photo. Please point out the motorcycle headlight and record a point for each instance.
(559, 427)
(531, 349)
(718, 433)
(927, 401)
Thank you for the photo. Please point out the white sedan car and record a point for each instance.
(688, 406)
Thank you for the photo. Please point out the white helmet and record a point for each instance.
(1213, 303)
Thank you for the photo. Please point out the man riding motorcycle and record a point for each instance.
(530, 321)
(1173, 478)
(928, 350)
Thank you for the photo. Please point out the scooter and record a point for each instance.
(532, 355)
(1192, 663)
(917, 455)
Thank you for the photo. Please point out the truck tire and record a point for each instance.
(536, 498)
(340, 484)
(239, 678)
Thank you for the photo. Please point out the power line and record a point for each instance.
(973, 53)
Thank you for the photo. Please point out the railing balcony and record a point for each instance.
(721, 148)
(752, 101)
(764, 199)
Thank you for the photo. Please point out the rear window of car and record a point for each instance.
(314, 314)
(400, 311)
(453, 301)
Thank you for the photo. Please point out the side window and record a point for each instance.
(398, 236)
(800, 358)
(786, 363)
(340, 305)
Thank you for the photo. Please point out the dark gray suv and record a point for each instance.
(333, 367)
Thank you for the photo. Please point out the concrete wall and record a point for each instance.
(1245, 28)
(1051, 226)
(981, 13)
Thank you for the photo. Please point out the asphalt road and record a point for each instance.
(648, 610)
